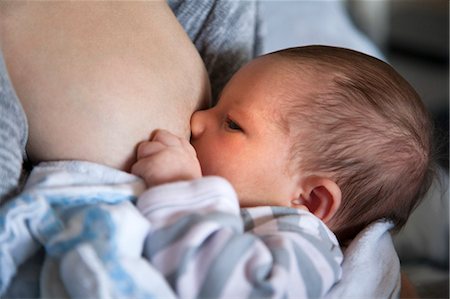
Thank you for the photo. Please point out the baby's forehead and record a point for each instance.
(296, 82)
(296, 76)
(296, 85)
(280, 82)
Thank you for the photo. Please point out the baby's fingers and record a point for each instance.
(144, 168)
(167, 138)
(148, 148)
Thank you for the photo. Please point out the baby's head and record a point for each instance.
(330, 128)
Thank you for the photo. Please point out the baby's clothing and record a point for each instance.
(207, 247)
(93, 235)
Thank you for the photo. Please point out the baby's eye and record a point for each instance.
(232, 125)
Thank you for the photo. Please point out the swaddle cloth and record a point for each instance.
(93, 236)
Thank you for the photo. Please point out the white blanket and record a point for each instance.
(371, 267)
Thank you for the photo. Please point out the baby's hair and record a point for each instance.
(363, 126)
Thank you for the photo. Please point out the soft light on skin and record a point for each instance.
(95, 78)
(242, 139)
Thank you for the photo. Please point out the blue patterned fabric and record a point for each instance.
(82, 214)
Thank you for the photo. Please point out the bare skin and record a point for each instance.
(95, 78)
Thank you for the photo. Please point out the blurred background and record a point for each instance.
(413, 36)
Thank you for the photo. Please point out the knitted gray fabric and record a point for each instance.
(13, 136)
(224, 32)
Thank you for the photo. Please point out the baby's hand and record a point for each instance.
(166, 158)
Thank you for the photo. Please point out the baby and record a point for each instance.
(312, 139)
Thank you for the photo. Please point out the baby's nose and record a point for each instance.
(197, 124)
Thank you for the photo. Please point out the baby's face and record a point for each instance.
(242, 140)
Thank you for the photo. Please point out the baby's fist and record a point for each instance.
(166, 158)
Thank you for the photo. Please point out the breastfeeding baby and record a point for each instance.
(305, 148)
(258, 205)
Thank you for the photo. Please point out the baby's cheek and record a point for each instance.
(211, 167)
(206, 163)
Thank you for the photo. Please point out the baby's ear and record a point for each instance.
(322, 196)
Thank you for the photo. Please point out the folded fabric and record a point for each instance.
(93, 235)
(371, 268)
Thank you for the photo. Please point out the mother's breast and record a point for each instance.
(95, 78)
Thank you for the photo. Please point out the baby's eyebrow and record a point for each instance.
(247, 117)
